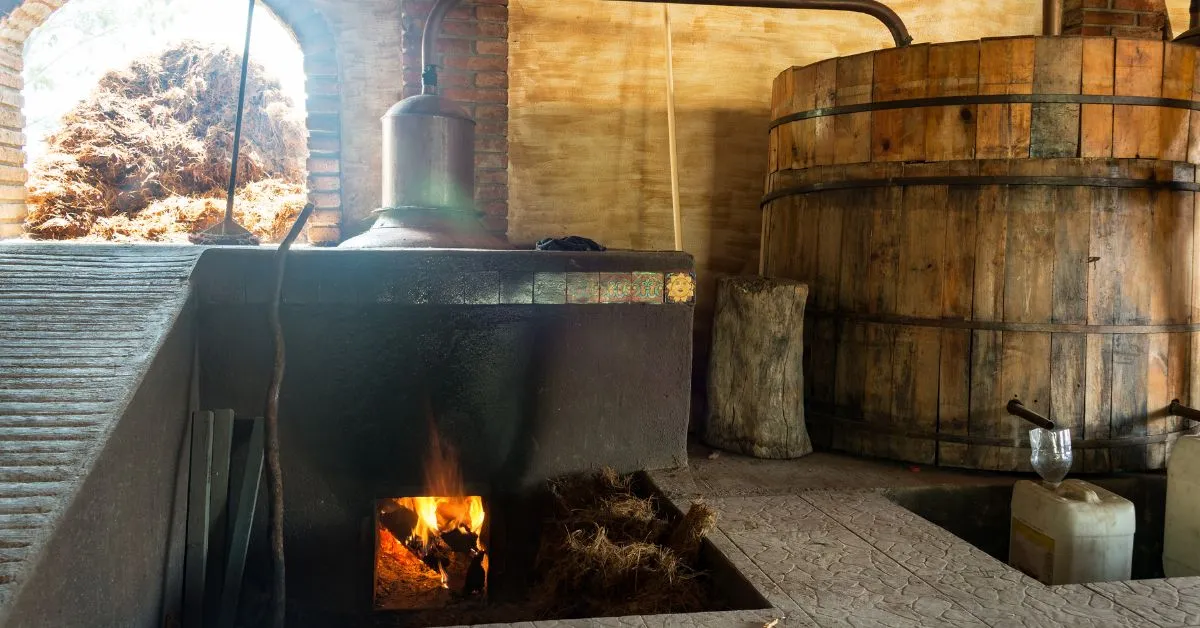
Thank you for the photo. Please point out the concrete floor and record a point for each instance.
(821, 541)
(716, 473)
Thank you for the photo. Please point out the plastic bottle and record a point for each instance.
(1181, 536)
(1075, 533)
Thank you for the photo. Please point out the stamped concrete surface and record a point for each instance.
(830, 549)
(79, 326)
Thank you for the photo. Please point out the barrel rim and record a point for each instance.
(979, 180)
(987, 99)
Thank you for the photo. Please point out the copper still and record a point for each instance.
(428, 167)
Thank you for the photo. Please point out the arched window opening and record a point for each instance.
(129, 116)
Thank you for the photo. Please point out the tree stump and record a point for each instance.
(756, 376)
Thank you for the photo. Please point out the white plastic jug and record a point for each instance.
(1072, 534)
(1181, 535)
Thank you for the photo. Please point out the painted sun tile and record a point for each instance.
(583, 288)
(615, 287)
(647, 288)
(681, 288)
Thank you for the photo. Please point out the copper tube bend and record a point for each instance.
(429, 38)
(872, 8)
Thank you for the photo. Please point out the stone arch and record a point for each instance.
(18, 18)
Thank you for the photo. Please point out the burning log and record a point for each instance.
(435, 548)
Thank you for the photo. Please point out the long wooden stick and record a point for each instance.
(271, 416)
(676, 211)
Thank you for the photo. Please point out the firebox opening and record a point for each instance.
(495, 570)
(430, 552)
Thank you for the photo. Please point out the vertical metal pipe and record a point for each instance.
(1052, 17)
(1194, 14)
(429, 37)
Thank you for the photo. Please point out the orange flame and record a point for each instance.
(446, 507)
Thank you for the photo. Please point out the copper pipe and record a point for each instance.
(1052, 18)
(429, 37)
(870, 7)
(1194, 14)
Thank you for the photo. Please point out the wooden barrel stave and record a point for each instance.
(1096, 68)
(901, 276)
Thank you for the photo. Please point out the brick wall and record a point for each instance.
(1144, 19)
(474, 73)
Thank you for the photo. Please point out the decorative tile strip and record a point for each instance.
(615, 287)
(516, 288)
(550, 288)
(486, 288)
(583, 287)
(647, 288)
(681, 288)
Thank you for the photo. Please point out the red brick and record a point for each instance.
(326, 215)
(491, 112)
(491, 192)
(320, 66)
(492, 13)
(492, 47)
(499, 30)
(487, 160)
(460, 12)
(1109, 18)
(1140, 5)
(323, 235)
(326, 200)
(323, 104)
(491, 143)
(491, 128)
(460, 29)
(477, 64)
(322, 86)
(1135, 32)
(324, 165)
(1095, 31)
(451, 46)
(1097, 4)
(494, 208)
(449, 78)
(1152, 20)
(324, 122)
(498, 226)
(476, 95)
(491, 79)
(484, 177)
(324, 183)
(324, 142)
(1072, 18)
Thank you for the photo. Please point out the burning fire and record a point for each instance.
(440, 530)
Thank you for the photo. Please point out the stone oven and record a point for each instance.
(531, 364)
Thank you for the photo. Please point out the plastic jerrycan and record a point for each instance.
(1075, 533)
(1181, 536)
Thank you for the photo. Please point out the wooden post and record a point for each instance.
(756, 378)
